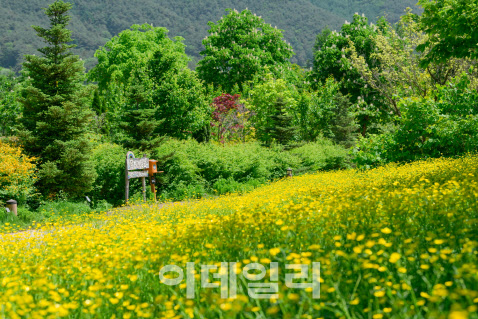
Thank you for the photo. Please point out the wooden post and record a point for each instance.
(126, 181)
(143, 179)
(289, 172)
(12, 206)
(153, 189)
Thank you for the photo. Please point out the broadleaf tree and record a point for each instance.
(56, 113)
(178, 95)
(331, 58)
(239, 46)
(130, 50)
(452, 29)
(399, 73)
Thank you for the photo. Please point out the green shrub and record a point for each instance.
(321, 155)
(373, 151)
(109, 161)
(205, 164)
(224, 186)
(197, 168)
(443, 124)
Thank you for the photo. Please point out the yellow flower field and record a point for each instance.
(393, 242)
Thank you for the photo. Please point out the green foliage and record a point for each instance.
(138, 120)
(444, 124)
(199, 169)
(56, 112)
(123, 81)
(9, 107)
(261, 100)
(205, 164)
(322, 154)
(178, 96)
(228, 186)
(452, 29)
(331, 58)
(100, 120)
(316, 110)
(238, 47)
(374, 150)
(343, 125)
(109, 161)
(129, 50)
(144, 79)
(282, 129)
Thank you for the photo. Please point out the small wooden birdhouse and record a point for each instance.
(153, 167)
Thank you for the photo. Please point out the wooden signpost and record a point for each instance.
(140, 168)
(136, 168)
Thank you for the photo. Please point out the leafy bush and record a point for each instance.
(321, 155)
(443, 124)
(373, 150)
(109, 161)
(205, 164)
(225, 186)
(17, 174)
(198, 168)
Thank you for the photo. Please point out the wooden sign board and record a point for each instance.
(138, 174)
(136, 168)
(137, 163)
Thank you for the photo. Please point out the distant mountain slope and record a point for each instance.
(95, 21)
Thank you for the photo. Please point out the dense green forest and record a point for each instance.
(95, 22)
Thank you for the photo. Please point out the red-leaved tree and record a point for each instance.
(229, 118)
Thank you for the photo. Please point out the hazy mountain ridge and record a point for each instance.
(95, 22)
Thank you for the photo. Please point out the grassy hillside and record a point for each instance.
(94, 22)
(393, 242)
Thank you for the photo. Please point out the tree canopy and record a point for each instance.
(239, 46)
(452, 29)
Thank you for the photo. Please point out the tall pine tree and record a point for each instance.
(344, 125)
(56, 112)
(282, 130)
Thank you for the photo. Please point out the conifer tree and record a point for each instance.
(344, 125)
(139, 120)
(282, 131)
(56, 112)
